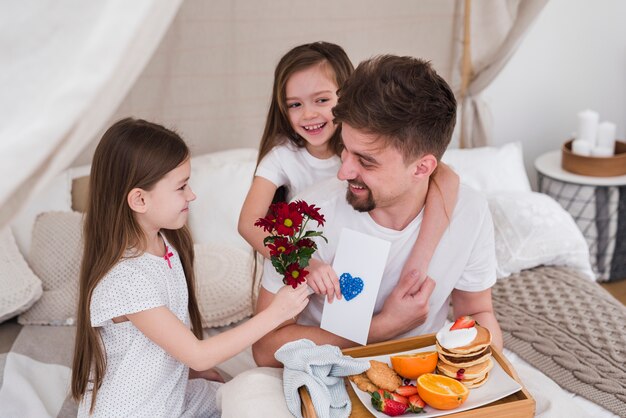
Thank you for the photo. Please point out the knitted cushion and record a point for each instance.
(568, 327)
(19, 287)
(224, 281)
(55, 256)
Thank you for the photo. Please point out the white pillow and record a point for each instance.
(532, 229)
(56, 196)
(225, 287)
(490, 169)
(19, 287)
(221, 181)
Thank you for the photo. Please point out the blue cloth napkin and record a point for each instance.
(321, 369)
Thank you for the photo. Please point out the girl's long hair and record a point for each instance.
(277, 125)
(132, 153)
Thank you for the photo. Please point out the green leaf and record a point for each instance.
(315, 234)
(306, 252)
(304, 261)
(278, 265)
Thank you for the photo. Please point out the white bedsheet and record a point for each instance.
(551, 400)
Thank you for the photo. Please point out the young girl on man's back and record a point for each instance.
(301, 147)
(139, 333)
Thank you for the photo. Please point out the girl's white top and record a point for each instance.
(142, 379)
(293, 167)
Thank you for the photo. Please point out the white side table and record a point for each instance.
(598, 205)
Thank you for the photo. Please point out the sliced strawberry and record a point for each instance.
(392, 395)
(399, 398)
(416, 404)
(406, 390)
(463, 322)
(387, 405)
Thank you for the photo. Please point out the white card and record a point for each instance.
(358, 257)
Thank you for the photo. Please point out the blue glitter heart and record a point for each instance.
(350, 286)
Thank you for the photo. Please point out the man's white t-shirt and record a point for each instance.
(464, 258)
(293, 167)
(141, 379)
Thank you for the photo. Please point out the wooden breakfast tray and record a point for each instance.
(518, 405)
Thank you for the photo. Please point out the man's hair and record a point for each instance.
(401, 99)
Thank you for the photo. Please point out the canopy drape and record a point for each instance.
(66, 66)
(496, 30)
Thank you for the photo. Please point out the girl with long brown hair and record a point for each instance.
(300, 147)
(139, 348)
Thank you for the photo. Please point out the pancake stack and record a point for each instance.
(469, 364)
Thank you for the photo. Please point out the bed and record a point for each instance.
(563, 333)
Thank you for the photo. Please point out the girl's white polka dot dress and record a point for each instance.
(141, 379)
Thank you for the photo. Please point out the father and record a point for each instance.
(397, 117)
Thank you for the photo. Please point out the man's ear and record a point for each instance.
(136, 200)
(425, 166)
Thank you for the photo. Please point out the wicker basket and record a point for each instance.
(595, 166)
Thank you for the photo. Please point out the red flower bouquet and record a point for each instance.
(290, 244)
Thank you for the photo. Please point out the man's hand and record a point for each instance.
(406, 307)
(323, 280)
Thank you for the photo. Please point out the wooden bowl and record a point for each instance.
(595, 166)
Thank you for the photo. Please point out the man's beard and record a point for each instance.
(361, 205)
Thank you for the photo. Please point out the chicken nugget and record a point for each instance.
(363, 383)
(383, 376)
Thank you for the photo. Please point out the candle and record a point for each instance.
(602, 152)
(581, 147)
(587, 126)
(606, 135)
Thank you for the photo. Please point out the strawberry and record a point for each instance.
(393, 395)
(399, 398)
(407, 390)
(463, 322)
(387, 405)
(416, 404)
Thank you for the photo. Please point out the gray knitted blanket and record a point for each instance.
(568, 327)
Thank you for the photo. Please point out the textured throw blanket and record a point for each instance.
(569, 328)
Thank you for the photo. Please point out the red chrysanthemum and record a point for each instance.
(311, 211)
(289, 243)
(266, 223)
(280, 246)
(294, 275)
(306, 242)
(288, 219)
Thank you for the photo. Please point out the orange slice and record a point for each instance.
(413, 365)
(441, 392)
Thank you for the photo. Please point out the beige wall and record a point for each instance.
(211, 77)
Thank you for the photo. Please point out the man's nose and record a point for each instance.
(347, 170)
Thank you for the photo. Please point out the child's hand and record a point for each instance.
(289, 302)
(323, 280)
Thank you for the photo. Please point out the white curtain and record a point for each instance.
(66, 65)
(497, 29)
